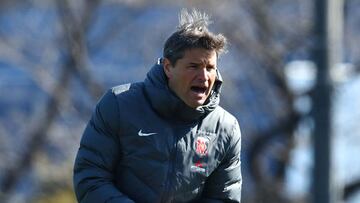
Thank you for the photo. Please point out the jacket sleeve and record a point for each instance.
(98, 154)
(224, 184)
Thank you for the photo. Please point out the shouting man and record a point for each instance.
(165, 139)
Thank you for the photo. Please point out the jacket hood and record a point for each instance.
(170, 106)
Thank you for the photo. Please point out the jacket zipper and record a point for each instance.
(167, 198)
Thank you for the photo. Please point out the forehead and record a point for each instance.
(200, 56)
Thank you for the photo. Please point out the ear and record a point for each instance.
(167, 67)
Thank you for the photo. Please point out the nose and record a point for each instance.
(203, 75)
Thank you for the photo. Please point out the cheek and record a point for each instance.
(212, 78)
(169, 75)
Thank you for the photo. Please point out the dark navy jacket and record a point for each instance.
(143, 144)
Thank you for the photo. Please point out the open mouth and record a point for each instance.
(198, 89)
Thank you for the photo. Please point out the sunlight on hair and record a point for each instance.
(194, 21)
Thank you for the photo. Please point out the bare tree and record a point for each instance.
(73, 64)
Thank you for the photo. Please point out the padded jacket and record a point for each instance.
(144, 144)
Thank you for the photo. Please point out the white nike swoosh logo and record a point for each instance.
(145, 134)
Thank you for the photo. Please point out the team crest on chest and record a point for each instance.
(201, 145)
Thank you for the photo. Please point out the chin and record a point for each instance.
(199, 103)
(194, 103)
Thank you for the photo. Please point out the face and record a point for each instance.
(193, 76)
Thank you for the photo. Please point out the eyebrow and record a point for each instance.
(200, 64)
(196, 64)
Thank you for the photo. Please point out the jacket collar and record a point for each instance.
(168, 105)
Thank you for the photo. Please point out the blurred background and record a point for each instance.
(58, 57)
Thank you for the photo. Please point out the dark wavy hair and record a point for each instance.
(192, 32)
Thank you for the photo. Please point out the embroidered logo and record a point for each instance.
(201, 146)
(197, 169)
(140, 133)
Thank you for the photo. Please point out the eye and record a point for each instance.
(192, 66)
(210, 68)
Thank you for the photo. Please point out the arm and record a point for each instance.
(224, 184)
(98, 154)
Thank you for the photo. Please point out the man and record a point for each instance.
(165, 139)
